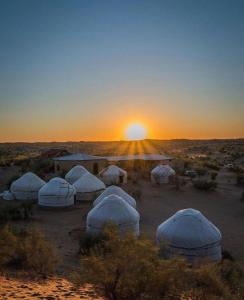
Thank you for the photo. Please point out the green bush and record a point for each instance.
(205, 185)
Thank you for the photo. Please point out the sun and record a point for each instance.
(135, 132)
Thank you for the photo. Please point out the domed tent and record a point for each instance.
(7, 195)
(191, 235)
(27, 186)
(161, 174)
(56, 193)
(113, 189)
(113, 209)
(88, 187)
(75, 173)
(113, 175)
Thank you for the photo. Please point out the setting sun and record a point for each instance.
(135, 131)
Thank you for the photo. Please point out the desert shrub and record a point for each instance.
(212, 165)
(136, 194)
(131, 268)
(7, 245)
(21, 211)
(205, 185)
(201, 171)
(213, 175)
(240, 179)
(232, 274)
(34, 253)
(27, 250)
(88, 242)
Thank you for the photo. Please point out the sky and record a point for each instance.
(84, 70)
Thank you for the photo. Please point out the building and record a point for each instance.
(139, 161)
(93, 164)
(191, 235)
(113, 175)
(113, 210)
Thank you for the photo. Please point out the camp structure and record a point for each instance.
(7, 195)
(161, 174)
(27, 186)
(113, 189)
(113, 175)
(113, 210)
(56, 193)
(75, 173)
(190, 234)
(88, 187)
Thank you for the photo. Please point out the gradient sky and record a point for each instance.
(84, 70)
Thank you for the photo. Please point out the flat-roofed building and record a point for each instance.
(92, 163)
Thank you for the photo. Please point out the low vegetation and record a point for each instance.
(131, 268)
(26, 250)
(20, 211)
(205, 185)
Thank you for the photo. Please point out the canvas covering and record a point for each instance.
(113, 209)
(56, 193)
(113, 189)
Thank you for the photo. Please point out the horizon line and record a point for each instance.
(124, 140)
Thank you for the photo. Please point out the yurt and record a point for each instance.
(113, 189)
(113, 175)
(7, 195)
(161, 174)
(56, 193)
(88, 187)
(75, 173)
(191, 235)
(113, 210)
(27, 186)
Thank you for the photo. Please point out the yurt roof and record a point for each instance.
(27, 182)
(164, 170)
(188, 228)
(88, 183)
(75, 173)
(113, 170)
(113, 189)
(112, 209)
(57, 186)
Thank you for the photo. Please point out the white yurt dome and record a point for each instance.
(113, 175)
(161, 174)
(7, 195)
(113, 189)
(189, 234)
(113, 209)
(88, 187)
(56, 193)
(27, 186)
(75, 173)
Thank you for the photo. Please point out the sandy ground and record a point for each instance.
(62, 227)
(53, 289)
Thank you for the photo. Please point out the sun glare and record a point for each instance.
(135, 132)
